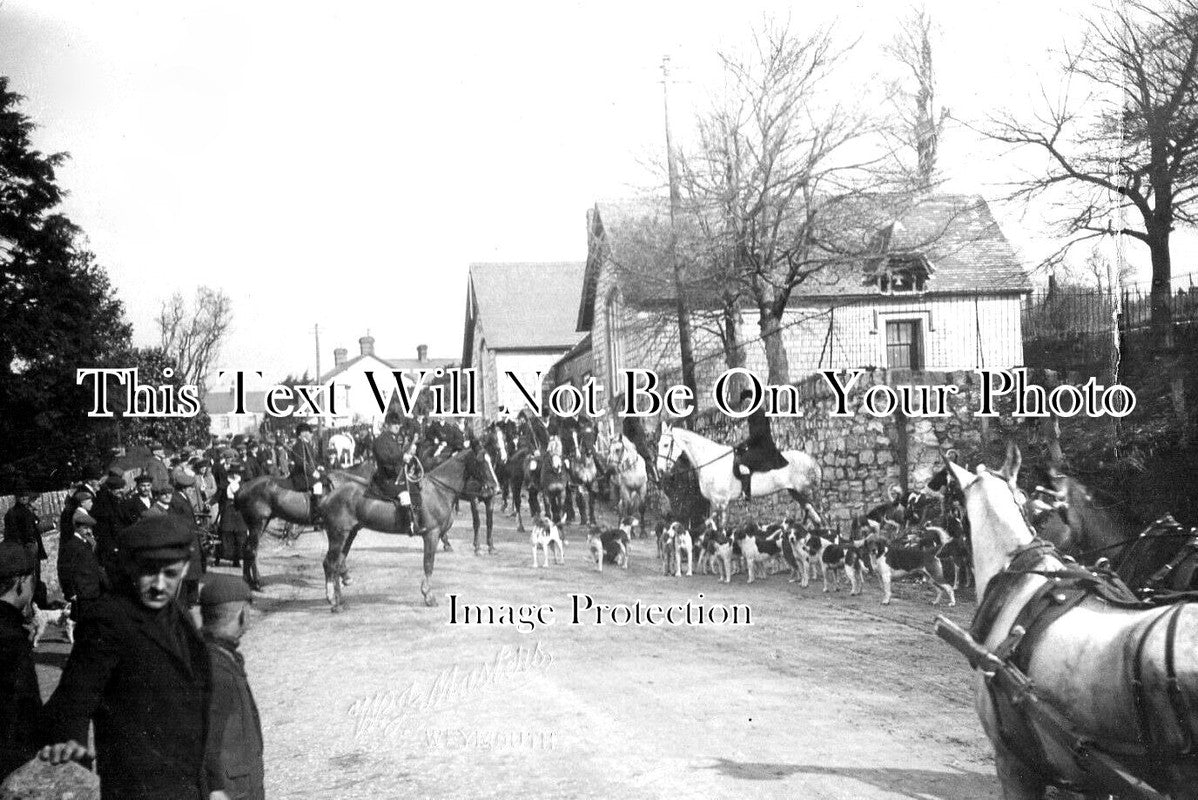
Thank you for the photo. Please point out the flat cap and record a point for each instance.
(81, 517)
(183, 478)
(303, 427)
(14, 560)
(143, 479)
(219, 588)
(164, 537)
(83, 494)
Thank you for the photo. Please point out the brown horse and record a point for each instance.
(348, 509)
(260, 501)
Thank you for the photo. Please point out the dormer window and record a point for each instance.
(895, 274)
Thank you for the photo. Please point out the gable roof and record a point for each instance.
(524, 305)
(956, 236)
(387, 363)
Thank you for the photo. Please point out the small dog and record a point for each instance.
(612, 546)
(546, 536)
(43, 618)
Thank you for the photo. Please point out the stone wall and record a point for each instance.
(862, 456)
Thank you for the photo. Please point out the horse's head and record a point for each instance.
(994, 506)
(667, 450)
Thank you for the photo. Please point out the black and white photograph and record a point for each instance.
(593, 400)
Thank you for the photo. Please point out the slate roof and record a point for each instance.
(956, 234)
(524, 305)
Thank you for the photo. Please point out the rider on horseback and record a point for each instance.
(758, 453)
(306, 469)
(393, 479)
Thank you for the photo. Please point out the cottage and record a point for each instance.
(355, 400)
(520, 318)
(941, 289)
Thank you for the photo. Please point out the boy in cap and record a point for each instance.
(20, 699)
(79, 574)
(140, 671)
(233, 757)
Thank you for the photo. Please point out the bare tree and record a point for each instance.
(1130, 142)
(920, 116)
(193, 335)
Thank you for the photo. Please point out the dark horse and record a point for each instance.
(1161, 556)
(546, 468)
(578, 445)
(348, 508)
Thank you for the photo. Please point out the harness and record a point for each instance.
(1065, 590)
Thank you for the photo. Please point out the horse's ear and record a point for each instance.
(959, 475)
(1010, 468)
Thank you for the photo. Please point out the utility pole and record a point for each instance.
(684, 318)
(316, 333)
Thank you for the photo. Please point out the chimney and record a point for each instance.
(422, 353)
(339, 356)
(366, 343)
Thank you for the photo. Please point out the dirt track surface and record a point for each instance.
(823, 696)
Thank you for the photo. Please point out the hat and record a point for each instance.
(140, 479)
(83, 494)
(235, 469)
(183, 479)
(14, 560)
(21, 489)
(163, 537)
(238, 439)
(228, 452)
(219, 588)
(745, 394)
(83, 518)
(303, 427)
(115, 482)
(164, 490)
(393, 418)
(93, 472)
(203, 463)
(156, 446)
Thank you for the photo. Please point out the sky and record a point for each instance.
(342, 164)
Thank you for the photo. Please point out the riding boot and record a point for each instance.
(417, 509)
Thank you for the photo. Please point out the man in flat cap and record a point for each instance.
(20, 700)
(158, 467)
(234, 751)
(23, 526)
(109, 514)
(141, 501)
(181, 506)
(80, 576)
(140, 671)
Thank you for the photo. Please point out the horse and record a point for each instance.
(720, 485)
(1158, 556)
(681, 488)
(632, 477)
(584, 475)
(260, 501)
(1078, 662)
(348, 508)
(341, 450)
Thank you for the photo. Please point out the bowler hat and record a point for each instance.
(219, 588)
(114, 482)
(303, 427)
(163, 538)
(14, 560)
(140, 479)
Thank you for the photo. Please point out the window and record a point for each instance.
(904, 345)
(898, 275)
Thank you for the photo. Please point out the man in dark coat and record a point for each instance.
(306, 469)
(23, 526)
(390, 478)
(109, 518)
(158, 467)
(20, 700)
(182, 508)
(234, 750)
(141, 501)
(141, 672)
(758, 453)
(80, 576)
(92, 475)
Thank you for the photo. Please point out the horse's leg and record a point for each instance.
(591, 496)
(334, 564)
(490, 526)
(349, 542)
(431, 536)
(572, 501)
(474, 519)
(1017, 781)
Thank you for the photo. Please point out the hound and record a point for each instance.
(716, 550)
(896, 562)
(545, 536)
(795, 554)
(611, 546)
(43, 618)
(757, 545)
(677, 540)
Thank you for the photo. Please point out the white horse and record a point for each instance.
(719, 484)
(1083, 662)
(341, 448)
(621, 457)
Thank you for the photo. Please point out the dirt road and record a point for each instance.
(820, 697)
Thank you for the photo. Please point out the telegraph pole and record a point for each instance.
(684, 317)
(316, 333)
